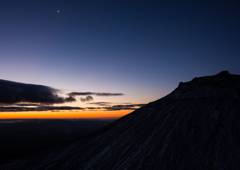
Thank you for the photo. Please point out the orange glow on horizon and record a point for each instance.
(63, 114)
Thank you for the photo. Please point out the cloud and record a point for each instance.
(39, 108)
(60, 108)
(140, 105)
(26, 104)
(109, 94)
(14, 92)
(28, 107)
(123, 107)
(118, 108)
(93, 93)
(101, 103)
(94, 108)
(70, 99)
(80, 93)
(107, 106)
(15, 109)
(87, 99)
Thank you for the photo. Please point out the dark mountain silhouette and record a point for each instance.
(197, 126)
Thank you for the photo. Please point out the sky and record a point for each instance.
(84, 59)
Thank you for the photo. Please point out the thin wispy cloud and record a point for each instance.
(26, 104)
(28, 107)
(109, 94)
(40, 108)
(123, 107)
(94, 93)
(108, 106)
(94, 108)
(101, 103)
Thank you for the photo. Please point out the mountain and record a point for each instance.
(197, 126)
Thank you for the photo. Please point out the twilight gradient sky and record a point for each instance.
(142, 49)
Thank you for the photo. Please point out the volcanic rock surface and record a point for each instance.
(197, 126)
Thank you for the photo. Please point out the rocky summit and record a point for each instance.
(197, 126)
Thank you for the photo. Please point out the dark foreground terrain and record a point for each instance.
(19, 138)
(197, 126)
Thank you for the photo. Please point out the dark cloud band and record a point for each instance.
(14, 92)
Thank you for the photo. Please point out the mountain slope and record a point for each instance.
(197, 126)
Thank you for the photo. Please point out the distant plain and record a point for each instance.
(22, 137)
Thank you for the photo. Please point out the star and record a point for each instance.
(58, 11)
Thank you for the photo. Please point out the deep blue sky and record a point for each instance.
(140, 48)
